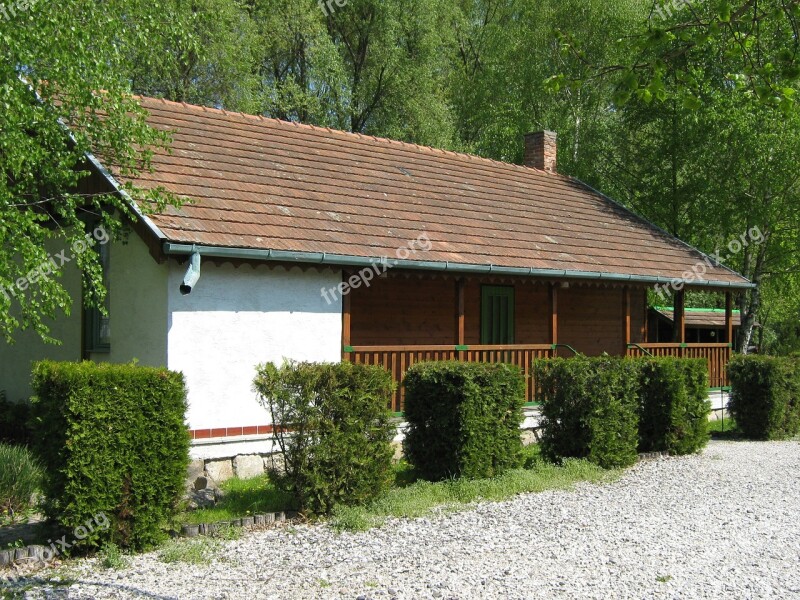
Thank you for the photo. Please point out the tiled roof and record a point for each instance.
(261, 183)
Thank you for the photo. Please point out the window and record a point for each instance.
(98, 326)
(497, 314)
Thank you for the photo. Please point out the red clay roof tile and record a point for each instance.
(267, 184)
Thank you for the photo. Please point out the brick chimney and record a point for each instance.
(541, 150)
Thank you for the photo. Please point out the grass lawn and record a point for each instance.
(409, 497)
(243, 497)
(724, 430)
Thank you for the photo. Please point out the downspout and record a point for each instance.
(192, 273)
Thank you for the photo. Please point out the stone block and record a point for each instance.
(219, 470)
(274, 463)
(248, 466)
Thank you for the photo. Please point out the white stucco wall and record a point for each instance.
(138, 305)
(237, 318)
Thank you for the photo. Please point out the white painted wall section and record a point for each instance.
(237, 318)
(138, 305)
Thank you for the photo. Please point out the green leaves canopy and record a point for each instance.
(62, 66)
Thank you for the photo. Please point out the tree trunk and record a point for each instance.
(750, 302)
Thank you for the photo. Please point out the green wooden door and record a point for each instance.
(497, 315)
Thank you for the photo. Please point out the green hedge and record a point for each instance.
(463, 419)
(765, 396)
(334, 430)
(115, 448)
(673, 405)
(589, 409)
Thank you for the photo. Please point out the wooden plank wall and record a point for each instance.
(590, 319)
(397, 311)
(422, 311)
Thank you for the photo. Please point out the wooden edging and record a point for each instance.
(35, 553)
(43, 554)
(653, 455)
(262, 520)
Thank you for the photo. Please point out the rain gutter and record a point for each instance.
(341, 260)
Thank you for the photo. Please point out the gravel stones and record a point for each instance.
(722, 524)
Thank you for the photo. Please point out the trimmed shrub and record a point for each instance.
(14, 421)
(463, 419)
(673, 405)
(115, 447)
(20, 478)
(765, 396)
(334, 429)
(589, 409)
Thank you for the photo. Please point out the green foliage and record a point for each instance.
(765, 396)
(333, 428)
(114, 443)
(14, 421)
(112, 557)
(589, 409)
(244, 497)
(205, 55)
(20, 478)
(673, 405)
(463, 419)
(57, 67)
(200, 551)
(744, 45)
(422, 497)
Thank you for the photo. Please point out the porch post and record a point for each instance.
(626, 319)
(554, 313)
(460, 317)
(460, 325)
(679, 317)
(346, 319)
(729, 317)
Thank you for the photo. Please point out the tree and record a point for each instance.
(506, 51)
(298, 66)
(63, 67)
(394, 57)
(712, 88)
(753, 45)
(207, 55)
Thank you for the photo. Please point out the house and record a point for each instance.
(312, 244)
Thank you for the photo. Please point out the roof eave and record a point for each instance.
(340, 260)
(112, 181)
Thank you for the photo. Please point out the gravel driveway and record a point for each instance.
(722, 524)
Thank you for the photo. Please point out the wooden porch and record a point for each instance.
(412, 331)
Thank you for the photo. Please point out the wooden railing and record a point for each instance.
(717, 355)
(398, 359)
